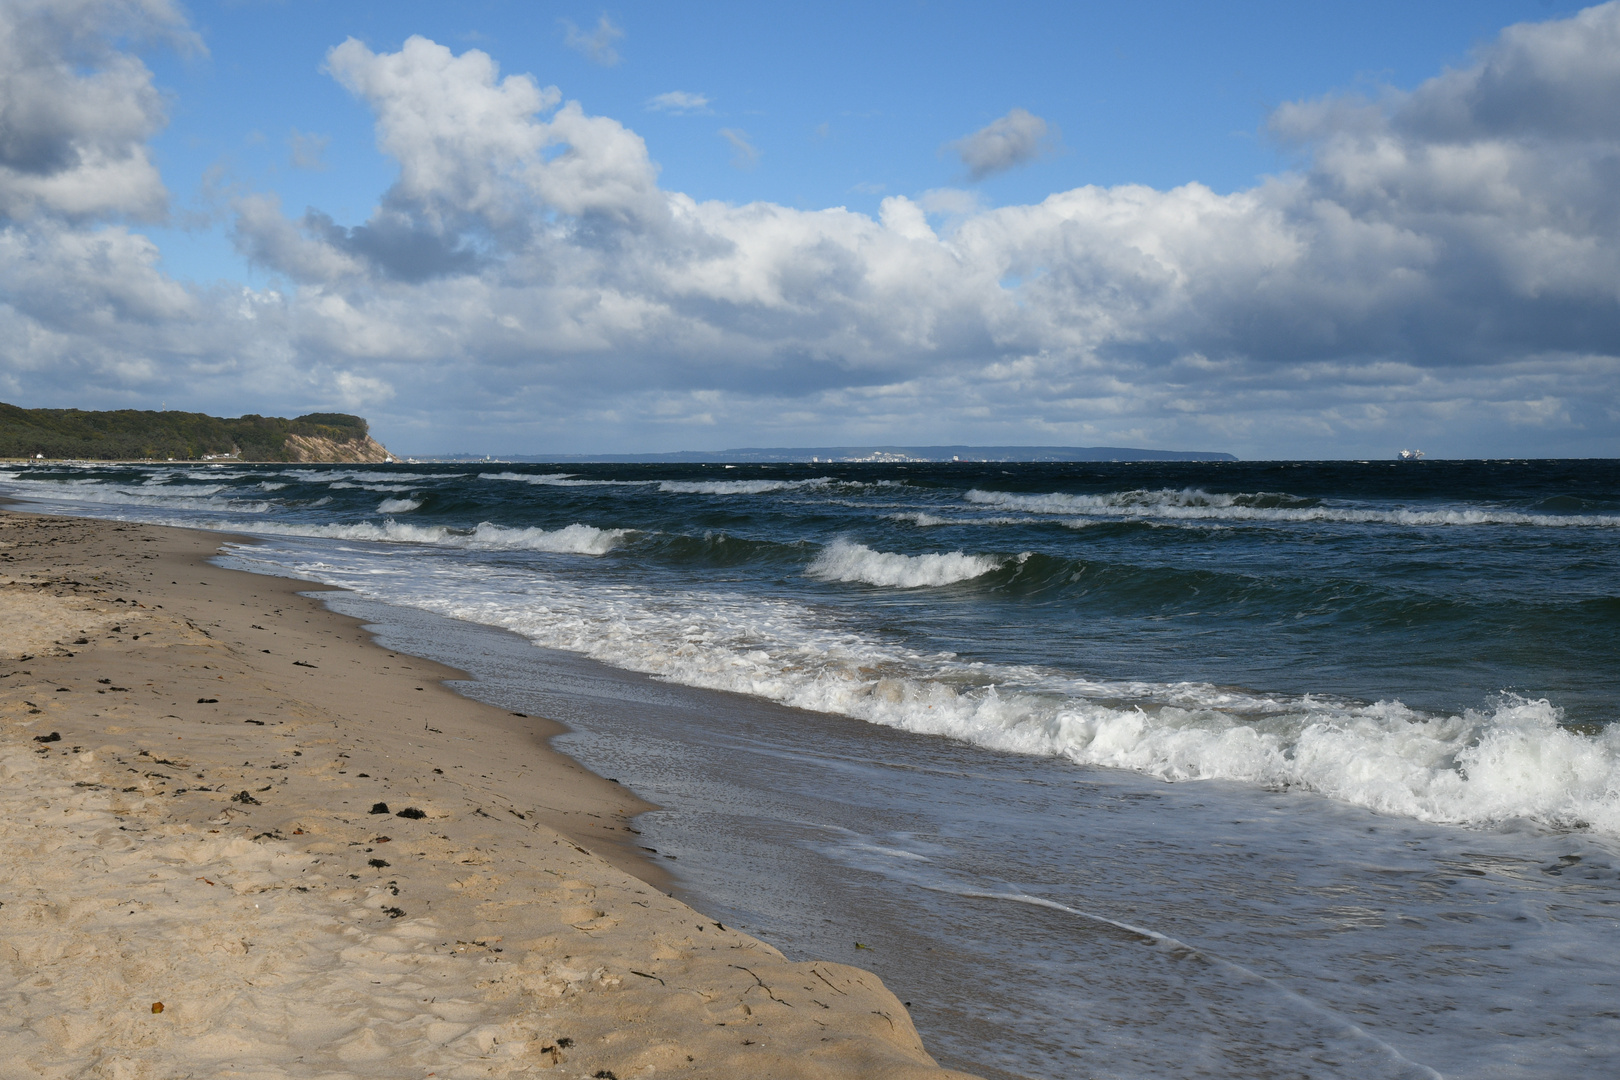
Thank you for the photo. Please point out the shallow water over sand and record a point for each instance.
(1045, 920)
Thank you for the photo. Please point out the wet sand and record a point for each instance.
(219, 829)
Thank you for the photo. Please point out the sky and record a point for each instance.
(1280, 230)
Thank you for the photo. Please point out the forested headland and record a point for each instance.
(133, 434)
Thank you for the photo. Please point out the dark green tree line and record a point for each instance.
(123, 434)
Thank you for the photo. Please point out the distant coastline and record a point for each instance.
(856, 454)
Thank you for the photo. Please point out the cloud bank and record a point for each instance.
(76, 113)
(1443, 268)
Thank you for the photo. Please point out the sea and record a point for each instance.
(1168, 769)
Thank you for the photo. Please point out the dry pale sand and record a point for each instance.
(202, 835)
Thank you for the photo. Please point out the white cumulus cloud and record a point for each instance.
(76, 112)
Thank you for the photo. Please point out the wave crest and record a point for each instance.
(670, 487)
(575, 539)
(1512, 761)
(739, 487)
(846, 561)
(920, 518)
(1191, 504)
(560, 479)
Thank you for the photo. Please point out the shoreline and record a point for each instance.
(521, 893)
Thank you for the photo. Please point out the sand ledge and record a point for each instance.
(201, 835)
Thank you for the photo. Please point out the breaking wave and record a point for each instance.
(671, 487)
(574, 539)
(846, 561)
(740, 487)
(366, 474)
(920, 518)
(184, 498)
(1191, 504)
(398, 506)
(561, 480)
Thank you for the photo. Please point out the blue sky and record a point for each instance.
(1280, 229)
(845, 103)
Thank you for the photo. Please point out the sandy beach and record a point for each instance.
(238, 839)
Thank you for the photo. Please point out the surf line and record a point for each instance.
(1171, 943)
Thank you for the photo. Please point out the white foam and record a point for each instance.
(924, 520)
(184, 500)
(346, 485)
(1190, 504)
(398, 506)
(576, 539)
(740, 487)
(573, 539)
(845, 561)
(673, 487)
(366, 475)
(176, 491)
(1512, 761)
(562, 480)
(524, 478)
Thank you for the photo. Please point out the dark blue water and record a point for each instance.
(1205, 769)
